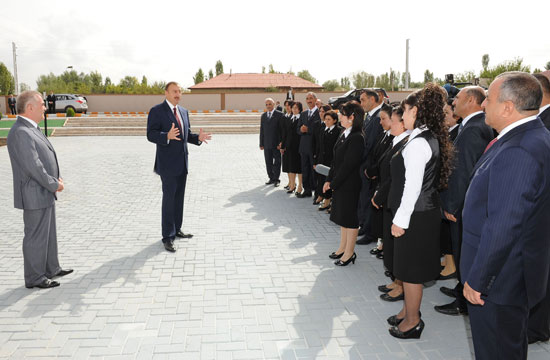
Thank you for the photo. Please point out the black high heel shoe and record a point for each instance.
(375, 251)
(394, 320)
(290, 191)
(346, 263)
(413, 333)
(334, 255)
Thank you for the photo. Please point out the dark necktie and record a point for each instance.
(460, 128)
(490, 144)
(269, 114)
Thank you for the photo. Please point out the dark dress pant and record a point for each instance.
(539, 319)
(499, 331)
(307, 172)
(272, 163)
(456, 243)
(173, 194)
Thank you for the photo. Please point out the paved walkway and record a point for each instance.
(254, 283)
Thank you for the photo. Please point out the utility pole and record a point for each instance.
(15, 68)
(407, 75)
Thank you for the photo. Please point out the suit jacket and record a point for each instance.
(506, 231)
(34, 166)
(306, 143)
(453, 133)
(327, 140)
(270, 129)
(11, 101)
(469, 146)
(545, 117)
(172, 156)
(383, 190)
(372, 130)
(373, 161)
(51, 99)
(344, 170)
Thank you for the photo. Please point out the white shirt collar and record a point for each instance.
(329, 128)
(541, 110)
(30, 121)
(311, 111)
(347, 132)
(400, 137)
(374, 110)
(452, 127)
(515, 125)
(170, 104)
(467, 118)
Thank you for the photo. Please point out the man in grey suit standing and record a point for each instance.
(36, 181)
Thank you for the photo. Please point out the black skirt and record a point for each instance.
(416, 257)
(343, 210)
(286, 164)
(445, 238)
(294, 161)
(387, 239)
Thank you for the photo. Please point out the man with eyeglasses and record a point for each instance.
(270, 138)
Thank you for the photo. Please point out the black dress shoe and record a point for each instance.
(375, 251)
(448, 291)
(169, 246)
(395, 321)
(276, 183)
(384, 289)
(46, 284)
(531, 340)
(322, 208)
(387, 297)
(269, 182)
(380, 255)
(180, 234)
(365, 240)
(287, 187)
(387, 273)
(346, 263)
(315, 202)
(290, 191)
(413, 333)
(446, 277)
(451, 309)
(335, 256)
(303, 195)
(361, 231)
(63, 273)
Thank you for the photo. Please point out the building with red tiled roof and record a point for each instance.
(254, 83)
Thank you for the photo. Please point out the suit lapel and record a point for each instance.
(470, 122)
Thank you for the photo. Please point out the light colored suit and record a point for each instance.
(35, 173)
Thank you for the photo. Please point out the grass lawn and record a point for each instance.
(7, 124)
(4, 132)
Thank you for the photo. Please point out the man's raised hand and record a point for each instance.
(173, 133)
(204, 136)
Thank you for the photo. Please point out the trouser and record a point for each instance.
(173, 194)
(365, 206)
(538, 328)
(272, 163)
(456, 243)
(40, 245)
(12, 109)
(307, 172)
(51, 108)
(499, 331)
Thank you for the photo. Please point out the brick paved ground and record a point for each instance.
(255, 281)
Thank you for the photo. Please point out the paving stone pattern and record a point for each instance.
(254, 283)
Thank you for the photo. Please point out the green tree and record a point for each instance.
(547, 66)
(485, 62)
(263, 69)
(144, 81)
(24, 87)
(271, 69)
(362, 80)
(108, 81)
(210, 74)
(304, 74)
(537, 70)
(331, 85)
(345, 83)
(428, 76)
(7, 83)
(129, 84)
(511, 65)
(219, 67)
(199, 77)
(467, 76)
(383, 81)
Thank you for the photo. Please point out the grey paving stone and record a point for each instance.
(254, 282)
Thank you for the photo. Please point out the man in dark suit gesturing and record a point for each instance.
(505, 260)
(270, 139)
(309, 119)
(168, 127)
(470, 142)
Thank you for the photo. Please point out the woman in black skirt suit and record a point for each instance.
(292, 144)
(283, 128)
(418, 171)
(327, 139)
(393, 291)
(345, 181)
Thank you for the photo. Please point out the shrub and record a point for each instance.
(70, 112)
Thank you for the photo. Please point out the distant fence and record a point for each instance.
(219, 101)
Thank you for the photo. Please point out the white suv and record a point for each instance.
(63, 102)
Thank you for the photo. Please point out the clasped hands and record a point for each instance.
(303, 129)
(60, 185)
(174, 132)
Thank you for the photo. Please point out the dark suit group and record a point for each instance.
(506, 239)
(11, 103)
(51, 103)
(271, 131)
(171, 162)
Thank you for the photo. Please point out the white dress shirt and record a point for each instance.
(374, 110)
(347, 132)
(515, 125)
(467, 118)
(400, 137)
(311, 111)
(541, 110)
(30, 121)
(453, 127)
(416, 154)
(330, 128)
